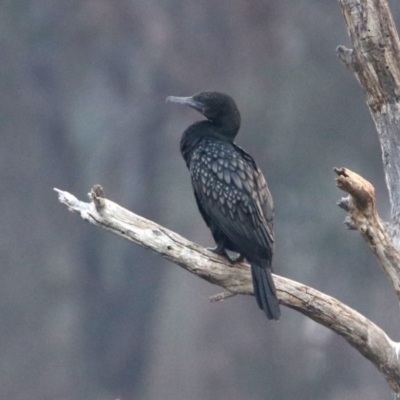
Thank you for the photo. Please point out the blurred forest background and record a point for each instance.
(87, 315)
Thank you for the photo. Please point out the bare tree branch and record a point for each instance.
(361, 206)
(357, 330)
(375, 61)
(221, 296)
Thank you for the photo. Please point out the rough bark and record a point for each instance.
(357, 330)
(363, 216)
(375, 61)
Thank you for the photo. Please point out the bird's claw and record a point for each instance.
(238, 259)
(222, 252)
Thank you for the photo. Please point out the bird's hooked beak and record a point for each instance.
(189, 101)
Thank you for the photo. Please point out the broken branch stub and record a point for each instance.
(362, 215)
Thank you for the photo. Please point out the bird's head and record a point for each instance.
(217, 107)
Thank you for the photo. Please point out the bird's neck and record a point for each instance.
(225, 131)
(227, 127)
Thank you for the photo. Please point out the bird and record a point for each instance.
(231, 192)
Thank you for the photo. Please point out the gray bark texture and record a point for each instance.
(375, 61)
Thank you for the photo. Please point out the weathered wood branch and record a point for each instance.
(363, 216)
(358, 331)
(375, 61)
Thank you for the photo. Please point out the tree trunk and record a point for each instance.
(375, 61)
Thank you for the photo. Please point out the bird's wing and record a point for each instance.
(231, 190)
(265, 197)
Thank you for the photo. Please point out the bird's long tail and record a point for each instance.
(264, 291)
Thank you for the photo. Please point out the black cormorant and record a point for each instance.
(231, 191)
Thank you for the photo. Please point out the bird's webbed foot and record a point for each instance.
(238, 259)
(220, 250)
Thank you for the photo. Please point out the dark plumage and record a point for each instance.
(230, 190)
